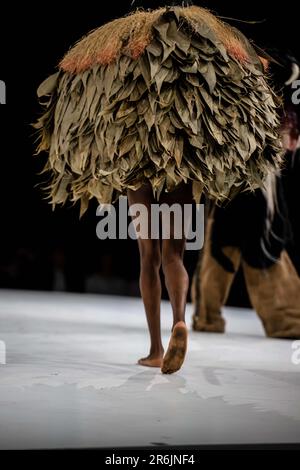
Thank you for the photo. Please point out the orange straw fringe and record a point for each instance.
(133, 33)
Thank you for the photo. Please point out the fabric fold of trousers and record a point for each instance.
(274, 292)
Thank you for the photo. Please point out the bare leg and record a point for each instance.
(177, 283)
(176, 277)
(150, 285)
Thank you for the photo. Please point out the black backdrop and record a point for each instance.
(37, 244)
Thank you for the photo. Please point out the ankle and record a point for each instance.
(156, 350)
(179, 320)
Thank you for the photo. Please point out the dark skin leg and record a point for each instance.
(176, 277)
(177, 281)
(150, 284)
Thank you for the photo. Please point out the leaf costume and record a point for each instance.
(166, 96)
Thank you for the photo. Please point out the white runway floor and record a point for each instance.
(71, 380)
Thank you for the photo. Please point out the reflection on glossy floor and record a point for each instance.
(71, 378)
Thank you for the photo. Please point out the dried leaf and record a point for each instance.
(48, 86)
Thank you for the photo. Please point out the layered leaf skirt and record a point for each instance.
(164, 96)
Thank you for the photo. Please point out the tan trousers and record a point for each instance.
(274, 292)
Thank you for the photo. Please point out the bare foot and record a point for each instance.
(153, 360)
(175, 354)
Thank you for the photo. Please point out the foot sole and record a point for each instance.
(176, 352)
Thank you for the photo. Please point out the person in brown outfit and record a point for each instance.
(238, 236)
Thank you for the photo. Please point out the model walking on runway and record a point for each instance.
(160, 105)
